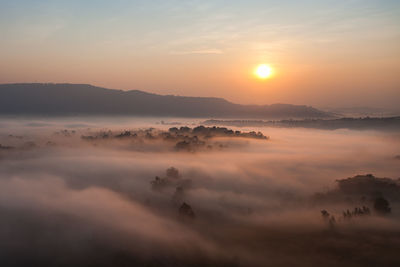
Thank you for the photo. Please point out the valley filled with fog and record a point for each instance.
(128, 191)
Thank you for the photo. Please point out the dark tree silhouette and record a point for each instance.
(381, 205)
(186, 210)
(325, 214)
(178, 196)
(172, 172)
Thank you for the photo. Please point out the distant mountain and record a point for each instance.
(83, 99)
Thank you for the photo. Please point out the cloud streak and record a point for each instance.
(198, 52)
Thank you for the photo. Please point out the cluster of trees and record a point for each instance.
(184, 138)
(186, 211)
(330, 219)
(191, 143)
(173, 178)
(361, 188)
(369, 185)
(356, 212)
(209, 132)
(381, 207)
(66, 133)
(173, 133)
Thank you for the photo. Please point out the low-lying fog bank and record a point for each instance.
(352, 123)
(123, 193)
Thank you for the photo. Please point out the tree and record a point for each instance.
(172, 172)
(381, 205)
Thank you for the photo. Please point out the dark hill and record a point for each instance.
(83, 99)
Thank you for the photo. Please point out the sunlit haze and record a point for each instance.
(328, 53)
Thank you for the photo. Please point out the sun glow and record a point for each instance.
(263, 71)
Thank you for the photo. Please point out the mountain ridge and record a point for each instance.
(79, 99)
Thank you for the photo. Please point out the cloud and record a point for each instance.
(198, 52)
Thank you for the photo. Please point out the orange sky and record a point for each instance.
(325, 54)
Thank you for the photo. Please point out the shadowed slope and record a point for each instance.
(73, 99)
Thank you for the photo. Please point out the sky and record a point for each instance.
(323, 53)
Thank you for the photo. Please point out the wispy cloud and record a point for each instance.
(200, 52)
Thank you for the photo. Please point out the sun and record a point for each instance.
(263, 71)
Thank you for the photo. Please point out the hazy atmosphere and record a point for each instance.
(199, 133)
(98, 195)
(324, 53)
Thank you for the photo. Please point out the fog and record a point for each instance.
(71, 196)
